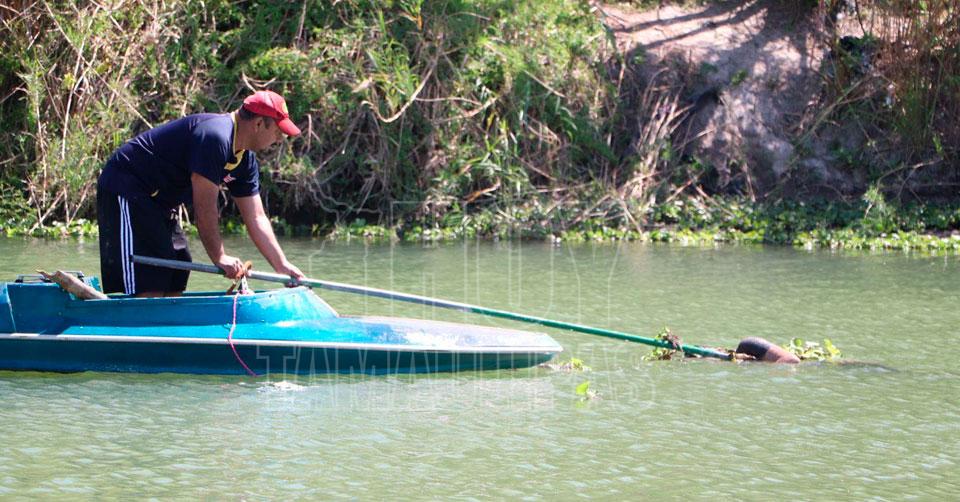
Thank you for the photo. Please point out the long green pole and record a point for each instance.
(434, 302)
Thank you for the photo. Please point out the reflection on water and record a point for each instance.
(882, 427)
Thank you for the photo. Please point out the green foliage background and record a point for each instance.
(408, 108)
(477, 117)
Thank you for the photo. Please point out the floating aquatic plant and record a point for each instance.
(583, 390)
(814, 351)
(664, 353)
(571, 365)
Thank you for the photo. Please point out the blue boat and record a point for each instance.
(282, 331)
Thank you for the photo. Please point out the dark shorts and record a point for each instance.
(753, 346)
(138, 225)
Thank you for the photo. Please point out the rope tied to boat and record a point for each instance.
(238, 288)
(233, 326)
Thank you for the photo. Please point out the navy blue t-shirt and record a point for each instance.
(158, 163)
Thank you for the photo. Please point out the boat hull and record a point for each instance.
(39, 354)
(287, 331)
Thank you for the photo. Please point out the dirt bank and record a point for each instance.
(753, 80)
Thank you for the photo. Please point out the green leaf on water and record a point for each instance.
(833, 351)
(826, 351)
(577, 365)
(663, 353)
(572, 365)
(583, 388)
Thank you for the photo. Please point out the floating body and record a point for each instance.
(763, 350)
(289, 331)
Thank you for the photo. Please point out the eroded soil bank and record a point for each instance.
(755, 77)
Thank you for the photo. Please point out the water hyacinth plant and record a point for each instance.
(813, 351)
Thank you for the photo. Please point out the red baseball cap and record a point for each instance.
(271, 104)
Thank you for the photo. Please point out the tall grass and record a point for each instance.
(901, 86)
(921, 59)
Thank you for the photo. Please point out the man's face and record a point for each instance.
(268, 134)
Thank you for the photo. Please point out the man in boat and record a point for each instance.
(189, 159)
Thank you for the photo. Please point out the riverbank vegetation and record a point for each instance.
(480, 118)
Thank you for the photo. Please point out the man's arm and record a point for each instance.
(207, 216)
(261, 233)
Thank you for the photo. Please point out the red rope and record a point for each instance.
(233, 326)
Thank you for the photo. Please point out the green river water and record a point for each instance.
(884, 429)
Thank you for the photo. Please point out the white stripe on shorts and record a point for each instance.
(126, 247)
